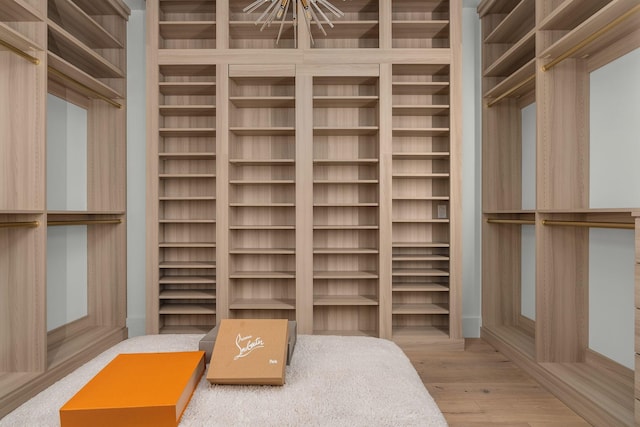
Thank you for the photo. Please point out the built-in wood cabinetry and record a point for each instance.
(315, 178)
(74, 50)
(543, 51)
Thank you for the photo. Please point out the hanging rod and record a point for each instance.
(28, 224)
(85, 87)
(19, 52)
(85, 222)
(591, 38)
(511, 221)
(593, 224)
(510, 91)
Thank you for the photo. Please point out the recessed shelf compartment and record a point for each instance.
(514, 58)
(19, 11)
(358, 28)
(187, 24)
(515, 25)
(75, 20)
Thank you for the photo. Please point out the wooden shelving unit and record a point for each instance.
(547, 60)
(300, 147)
(64, 48)
(189, 24)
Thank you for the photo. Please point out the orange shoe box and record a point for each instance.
(140, 389)
(250, 351)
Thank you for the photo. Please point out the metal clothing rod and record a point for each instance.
(85, 222)
(591, 38)
(593, 224)
(28, 224)
(85, 87)
(511, 221)
(510, 91)
(19, 52)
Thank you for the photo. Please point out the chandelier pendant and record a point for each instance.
(279, 9)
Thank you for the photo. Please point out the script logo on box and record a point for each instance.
(246, 345)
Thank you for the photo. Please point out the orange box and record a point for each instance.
(139, 389)
(250, 351)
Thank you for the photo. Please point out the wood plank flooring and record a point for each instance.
(481, 387)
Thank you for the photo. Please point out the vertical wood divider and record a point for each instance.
(222, 24)
(222, 192)
(304, 202)
(385, 200)
(152, 205)
(385, 26)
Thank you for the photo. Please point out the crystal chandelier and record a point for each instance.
(277, 10)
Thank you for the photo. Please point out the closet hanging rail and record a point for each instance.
(591, 38)
(19, 52)
(511, 221)
(85, 222)
(510, 91)
(593, 224)
(85, 87)
(27, 224)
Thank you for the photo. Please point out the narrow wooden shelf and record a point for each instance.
(344, 300)
(420, 88)
(420, 244)
(260, 182)
(187, 88)
(365, 29)
(187, 309)
(594, 23)
(262, 251)
(187, 156)
(263, 131)
(187, 221)
(17, 39)
(263, 275)
(346, 333)
(426, 132)
(247, 30)
(81, 25)
(344, 251)
(421, 221)
(263, 101)
(18, 10)
(187, 110)
(260, 162)
(185, 175)
(425, 198)
(105, 7)
(414, 175)
(187, 245)
(262, 227)
(514, 58)
(185, 198)
(570, 13)
(420, 110)
(263, 304)
(182, 280)
(421, 272)
(261, 205)
(419, 287)
(195, 294)
(419, 257)
(520, 20)
(516, 84)
(187, 265)
(423, 29)
(186, 132)
(345, 227)
(345, 101)
(425, 332)
(421, 155)
(347, 205)
(63, 43)
(402, 309)
(329, 162)
(187, 29)
(345, 181)
(65, 67)
(329, 275)
(345, 131)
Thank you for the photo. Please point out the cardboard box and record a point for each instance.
(249, 351)
(140, 389)
(207, 342)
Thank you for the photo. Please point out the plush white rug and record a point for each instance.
(332, 381)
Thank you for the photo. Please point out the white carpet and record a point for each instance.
(332, 381)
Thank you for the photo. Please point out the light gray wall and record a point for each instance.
(66, 190)
(614, 177)
(136, 169)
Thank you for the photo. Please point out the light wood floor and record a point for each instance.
(481, 387)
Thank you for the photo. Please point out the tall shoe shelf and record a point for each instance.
(262, 217)
(345, 209)
(74, 50)
(187, 198)
(328, 161)
(420, 200)
(543, 52)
